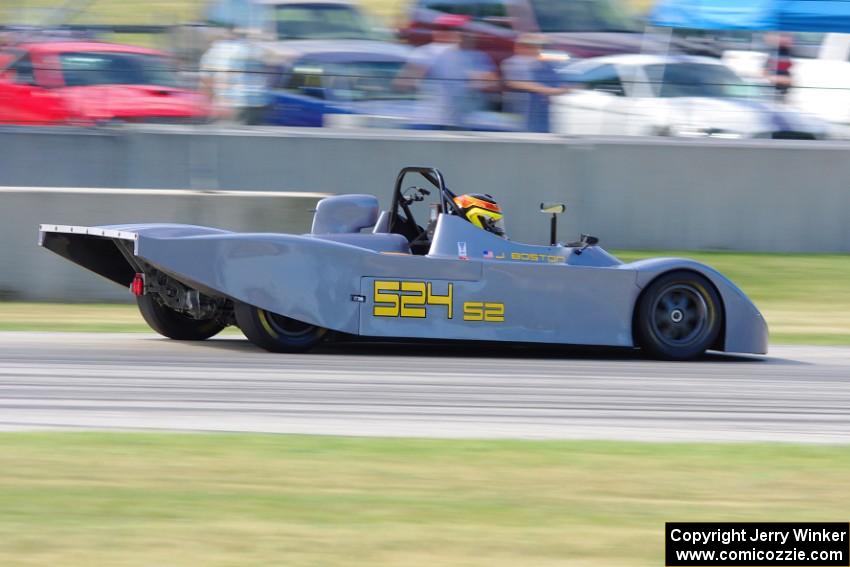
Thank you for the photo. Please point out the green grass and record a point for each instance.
(78, 317)
(161, 12)
(126, 500)
(106, 11)
(804, 298)
(73, 317)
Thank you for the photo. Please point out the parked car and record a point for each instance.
(820, 80)
(318, 19)
(353, 84)
(575, 28)
(324, 78)
(296, 19)
(282, 20)
(673, 96)
(89, 82)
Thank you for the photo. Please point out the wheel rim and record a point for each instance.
(287, 327)
(680, 315)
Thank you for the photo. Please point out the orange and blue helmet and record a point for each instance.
(483, 211)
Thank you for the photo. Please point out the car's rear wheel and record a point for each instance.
(679, 316)
(173, 324)
(277, 333)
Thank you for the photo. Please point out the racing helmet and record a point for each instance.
(483, 211)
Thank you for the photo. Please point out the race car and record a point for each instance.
(435, 265)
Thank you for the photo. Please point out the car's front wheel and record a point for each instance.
(277, 333)
(679, 316)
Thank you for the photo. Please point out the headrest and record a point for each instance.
(345, 214)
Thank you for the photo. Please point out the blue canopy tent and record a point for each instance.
(777, 15)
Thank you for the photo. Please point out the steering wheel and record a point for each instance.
(401, 219)
(419, 194)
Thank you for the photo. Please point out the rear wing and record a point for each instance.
(105, 251)
(102, 232)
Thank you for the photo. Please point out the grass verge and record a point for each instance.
(163, 12)
(803, 297)
(126, 499)
(73, 317)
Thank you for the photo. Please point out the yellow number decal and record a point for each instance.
(415, 296)
(494, 312)
(389, 301)
(473, 311)
(411, 299)
(441, 299)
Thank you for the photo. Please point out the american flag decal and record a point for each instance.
(488, 254)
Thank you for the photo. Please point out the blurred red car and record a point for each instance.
(89, 82)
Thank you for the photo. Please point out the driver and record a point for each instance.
(483, 211)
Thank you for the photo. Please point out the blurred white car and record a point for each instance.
(821, 84)
(646, 95)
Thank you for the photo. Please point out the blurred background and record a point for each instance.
(675, 125)
(569, 67)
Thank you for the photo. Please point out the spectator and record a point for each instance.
(529, 83)
(422, 58)
(416, 73)
(778, 66)
(452, 78)
(462, 76)
(235, 79)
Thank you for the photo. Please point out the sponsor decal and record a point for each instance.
(541, 258)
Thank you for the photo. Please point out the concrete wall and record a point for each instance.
(636, 193)
(28, 272)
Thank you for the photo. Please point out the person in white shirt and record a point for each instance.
(234, 77)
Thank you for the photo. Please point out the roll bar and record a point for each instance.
(435, 178)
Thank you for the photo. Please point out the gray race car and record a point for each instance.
(435, 265)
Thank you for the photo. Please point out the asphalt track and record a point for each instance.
(135, 381)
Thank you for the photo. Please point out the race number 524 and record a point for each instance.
(418, 300)
(409, 299)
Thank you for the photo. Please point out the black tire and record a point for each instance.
(679, 316)
(276, 333)
(175, 325)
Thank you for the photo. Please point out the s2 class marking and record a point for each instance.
(484, 311)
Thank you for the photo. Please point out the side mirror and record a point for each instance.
(554, 209)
